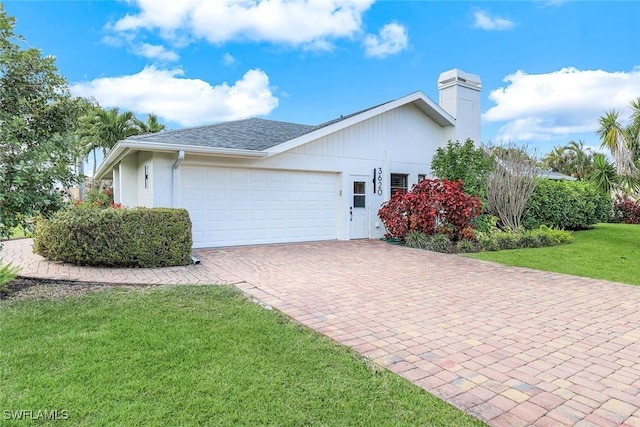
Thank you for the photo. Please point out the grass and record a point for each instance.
(608, 251)
(194, 356)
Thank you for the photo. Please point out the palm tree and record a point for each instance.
(572, 159)
(581, 159)
(557, 160)
(102, 129)
(620, 140)
(604, 176)
(152, 125)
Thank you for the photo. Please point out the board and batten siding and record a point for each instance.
(404, 133)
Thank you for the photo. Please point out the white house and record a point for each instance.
(259, 181)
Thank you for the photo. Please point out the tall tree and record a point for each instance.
(101, 129)
(152, 125)
(620, 140)
(36, 109)
(623, 141)
(572, 159)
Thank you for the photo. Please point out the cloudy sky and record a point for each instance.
(549, 68)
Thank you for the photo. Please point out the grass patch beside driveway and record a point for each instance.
(193, 356)
(608, 251)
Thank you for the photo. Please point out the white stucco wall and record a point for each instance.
(128, 181)
(145, 186)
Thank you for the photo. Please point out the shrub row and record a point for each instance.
(139, 237)
(538, 238)
(571, 205)
(493, 241)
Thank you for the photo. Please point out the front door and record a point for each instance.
(359, 208)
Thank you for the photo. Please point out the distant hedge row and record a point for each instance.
(570, 205)
(139, 237)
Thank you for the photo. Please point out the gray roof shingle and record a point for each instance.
(248, 134)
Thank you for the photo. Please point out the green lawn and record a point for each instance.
(193, 356)
(609, 251)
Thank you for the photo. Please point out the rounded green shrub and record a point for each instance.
(570, 205)
(140, 237)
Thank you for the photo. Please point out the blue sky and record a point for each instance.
(549, 68)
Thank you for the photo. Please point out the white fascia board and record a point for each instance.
(195, 149)
(115, 155)
(124, 147)
(430, 108)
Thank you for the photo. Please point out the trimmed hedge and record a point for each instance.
(140, 237)
(570, 205)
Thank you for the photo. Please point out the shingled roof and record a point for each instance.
(248, 134)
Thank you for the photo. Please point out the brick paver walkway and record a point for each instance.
(513, 346)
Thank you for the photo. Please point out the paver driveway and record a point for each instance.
(512, 346)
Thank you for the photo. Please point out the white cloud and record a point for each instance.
(228, 59)
(189, 102)
(391, 39)
(152, 51)
(484, 21)
(545, 106)
(553, 3)
(294, 22)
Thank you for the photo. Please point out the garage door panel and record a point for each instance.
(240, 206)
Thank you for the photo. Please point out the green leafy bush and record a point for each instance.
(572, 205)
(464, 162)
(102, 197)
(538, 238)
(439, 243)
(466, 246)
(416, 239)
(139, 237)
(7, 274)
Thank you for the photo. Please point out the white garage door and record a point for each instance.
(230, 206)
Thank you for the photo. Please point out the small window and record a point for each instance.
(398, 183)
(359, 198)
(421, 177)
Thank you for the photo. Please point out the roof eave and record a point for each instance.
(124, 147)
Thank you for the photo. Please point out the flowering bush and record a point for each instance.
(431, 206)
(627, 209)
(98, 199)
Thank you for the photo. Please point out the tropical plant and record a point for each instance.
(430, 206)
(624, 144)
(416, 239)
(7, 274)
(627, 210)
(604, 176)
(101, 129)
(572, 159)
(152, 125)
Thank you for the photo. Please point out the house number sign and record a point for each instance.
(377, 181)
